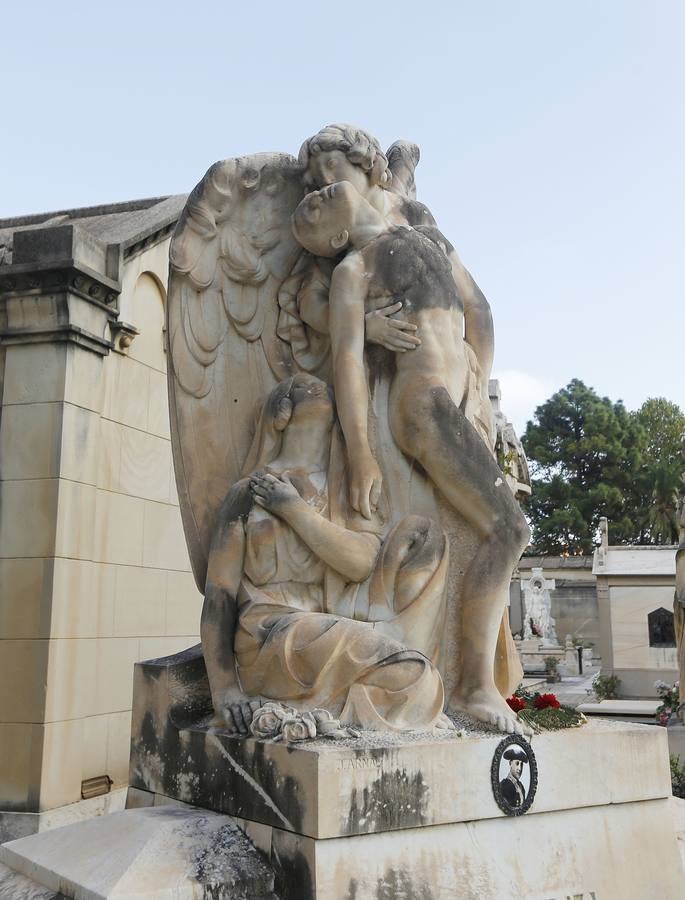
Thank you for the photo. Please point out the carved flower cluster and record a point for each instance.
(277, 722)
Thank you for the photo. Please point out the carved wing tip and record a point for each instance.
(407, 151)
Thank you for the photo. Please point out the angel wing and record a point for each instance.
(231, 251)
(403, 158)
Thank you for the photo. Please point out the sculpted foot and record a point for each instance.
(233, 713)
(487, 705)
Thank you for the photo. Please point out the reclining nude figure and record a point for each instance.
(430, 383)
(271, 625)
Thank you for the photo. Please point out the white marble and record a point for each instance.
(627, 851)
(621, 707)
(162, 853)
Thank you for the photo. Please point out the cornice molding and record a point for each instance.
(54, 303)
(67, 275)
(141, 244)
(68, 333)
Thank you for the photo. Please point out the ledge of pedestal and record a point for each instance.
(153, 853)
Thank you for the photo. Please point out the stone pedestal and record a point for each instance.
(390, 816)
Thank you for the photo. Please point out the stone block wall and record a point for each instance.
(94, 572)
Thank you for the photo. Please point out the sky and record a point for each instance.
(551, 137)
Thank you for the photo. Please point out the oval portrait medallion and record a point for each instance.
(514, 775)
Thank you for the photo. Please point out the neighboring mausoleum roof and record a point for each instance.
(630, 559)
(134, 225)
(556, 562)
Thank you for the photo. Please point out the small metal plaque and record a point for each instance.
(514, 775)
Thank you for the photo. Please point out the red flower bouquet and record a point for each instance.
(545, 700)
(543, 712)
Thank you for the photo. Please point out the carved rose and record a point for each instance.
(277, 722)
(326, 725)
(309, 720)
(295, 730)
(267, 722)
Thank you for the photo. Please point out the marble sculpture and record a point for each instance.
(333, 442)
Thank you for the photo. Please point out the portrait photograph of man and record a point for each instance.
(514, 776)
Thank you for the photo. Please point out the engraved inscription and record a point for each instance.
(359, 762)
(589, 896)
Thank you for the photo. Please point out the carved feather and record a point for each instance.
(231, 251)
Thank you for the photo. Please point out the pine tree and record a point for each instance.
(659, 481)
(585, 452)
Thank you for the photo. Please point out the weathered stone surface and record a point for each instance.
(627, 851)
(156, 853)
(14, 886)
(378, 783)
(15, 825)
(678, 810)
(355, 548)
(402, 817)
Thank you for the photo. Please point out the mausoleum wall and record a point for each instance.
(94, 571)
(632, 584)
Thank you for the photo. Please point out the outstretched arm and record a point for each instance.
(347, 298)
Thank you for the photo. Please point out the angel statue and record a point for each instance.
(355, 553)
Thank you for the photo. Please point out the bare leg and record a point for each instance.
(428, 426)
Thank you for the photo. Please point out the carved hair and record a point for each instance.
(361, 149)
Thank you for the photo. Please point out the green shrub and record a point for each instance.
(605, 687)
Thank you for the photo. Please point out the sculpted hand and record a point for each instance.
(393, 334)
(365, 484)
(274, 494)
